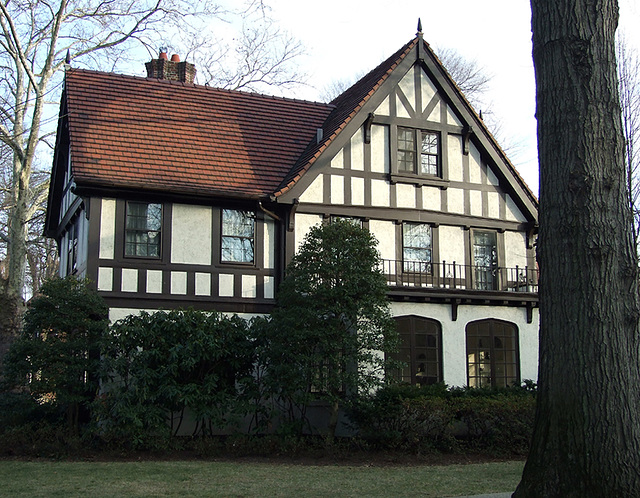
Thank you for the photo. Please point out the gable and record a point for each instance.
(360, 167)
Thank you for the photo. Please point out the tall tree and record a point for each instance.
(36, 36)
(586, 439)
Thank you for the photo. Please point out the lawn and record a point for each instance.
(235, 479)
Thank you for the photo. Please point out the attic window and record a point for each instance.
(418, 152)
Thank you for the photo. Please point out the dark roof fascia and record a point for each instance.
(342, 136)
(199, 198)
(54, 197)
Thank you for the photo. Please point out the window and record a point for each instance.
(416, 247)
(492, 354)
(238, 229)
(72, 248)
(413, 144)
(485, 260)
(350, 219)
(420, 349)
(143, 228)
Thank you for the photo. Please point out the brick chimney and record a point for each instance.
(164, 69)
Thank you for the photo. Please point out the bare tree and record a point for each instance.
(36, 36)
(586, 437)
(472, 78)
(629, 87)
(261, 59)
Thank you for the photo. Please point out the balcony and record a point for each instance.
(456, 277)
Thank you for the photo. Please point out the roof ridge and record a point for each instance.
(198, 86)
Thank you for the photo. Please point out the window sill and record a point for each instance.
(419, 180)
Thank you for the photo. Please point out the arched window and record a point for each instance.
(492, 354)
(421, 350)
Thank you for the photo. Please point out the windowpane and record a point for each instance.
(142, 229)
(490, 362)
(237, 236)
(421, 350)
(429, 154)
(406, 150)
(485, 260)
(418, 151)
(416, 247)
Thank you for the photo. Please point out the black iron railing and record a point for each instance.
(463, 277)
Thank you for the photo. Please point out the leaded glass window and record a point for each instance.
(416, 247)
(492, 354)
(420, 350)
(238, 230)
(143, 229)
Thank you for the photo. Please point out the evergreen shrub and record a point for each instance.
(436, 418)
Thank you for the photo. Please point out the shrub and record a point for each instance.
(56, 355)
(332, 324)
(158, 366)
(418, 419)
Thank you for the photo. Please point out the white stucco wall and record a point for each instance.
(337, 189)
(455, 200)
(405, 196)
(357, 151)
(303, 224)
(107, 229)
(454, 145)
(454, 356)
(314, 192)
(385, 233)
(475, 168)
(380, 192)
(379, 149)
(269, 247)
(191, 234)
(515, 249)
(452, 244)
(431, 198)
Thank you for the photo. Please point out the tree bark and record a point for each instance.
(586, 439)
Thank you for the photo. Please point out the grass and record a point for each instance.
(246, 479)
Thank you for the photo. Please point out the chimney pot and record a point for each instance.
(164, 69)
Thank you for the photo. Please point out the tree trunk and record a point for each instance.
(17, 249)
(586, 439)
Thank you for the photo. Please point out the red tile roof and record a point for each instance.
(139, 133)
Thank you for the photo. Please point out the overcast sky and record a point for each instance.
(347, 38)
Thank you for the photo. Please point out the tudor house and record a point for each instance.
(169, 194)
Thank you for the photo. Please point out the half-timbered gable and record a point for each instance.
(414, 163)
(170, 194)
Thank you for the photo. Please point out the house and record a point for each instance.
(169, 194)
